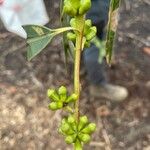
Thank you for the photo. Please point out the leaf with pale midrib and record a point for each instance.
(38, 37)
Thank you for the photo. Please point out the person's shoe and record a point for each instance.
(110, 92)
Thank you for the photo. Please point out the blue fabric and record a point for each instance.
(99, 11)
(98, 14)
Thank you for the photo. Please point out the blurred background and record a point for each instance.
(25, 121)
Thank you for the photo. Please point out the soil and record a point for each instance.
(25, 121)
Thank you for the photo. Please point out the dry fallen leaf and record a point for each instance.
(103, 111)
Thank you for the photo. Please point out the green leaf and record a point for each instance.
(38, 37)
(36, 30)
(36, 45)
(111, 28)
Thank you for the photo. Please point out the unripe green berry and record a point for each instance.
(85, 5)
(82, 122)
(91, 33)
(52, 94)
(62, 91)
(85, 138)
(89, 128)
(72, 98)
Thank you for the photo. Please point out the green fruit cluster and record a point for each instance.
(77, 133)
(59, 98)
(76, 7)
(89, 31)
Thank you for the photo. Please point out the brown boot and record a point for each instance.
(109, 91)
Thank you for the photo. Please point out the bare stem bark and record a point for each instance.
(80, 21)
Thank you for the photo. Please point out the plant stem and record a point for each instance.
(80, 21)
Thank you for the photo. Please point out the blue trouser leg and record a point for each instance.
(98, 15)
(94, 69)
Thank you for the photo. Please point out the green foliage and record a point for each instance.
(76, 7)
(88, 34)
(111, 28)
(77, 132)
(38, 37)
(76, 129)
(60, 98)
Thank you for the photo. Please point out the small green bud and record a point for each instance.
(52, 94)
(71, 120)
(73, 22)
(82, 122)
(72, 98)
(85, 5)
(62, 91)
(88, 24)
(87, 44)
(69, 9)
(65, 127)
(53, 106)
(85, 138)
(59, 105)
(91, 33)
(71, 36)
(70, 131)
(89, 128)
(70, 139)
(78, 145)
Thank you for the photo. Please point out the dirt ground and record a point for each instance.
(25, 121)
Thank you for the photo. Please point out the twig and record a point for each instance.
(36, 81)
(107, 140)
(97, 144)
(104, 132)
